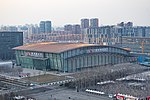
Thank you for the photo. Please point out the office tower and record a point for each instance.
(84, 23)
(76, 29)
(45, 27)
(94, 22)
(9, 40)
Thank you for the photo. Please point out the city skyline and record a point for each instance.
(20, 12)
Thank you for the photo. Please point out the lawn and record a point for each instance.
(45, 78)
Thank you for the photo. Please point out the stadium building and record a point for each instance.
(69, 57)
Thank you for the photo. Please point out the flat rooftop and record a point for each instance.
(52, 47)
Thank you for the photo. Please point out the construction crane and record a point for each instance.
(142, 46)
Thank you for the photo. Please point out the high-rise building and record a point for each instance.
(33, 29)
(45, 27)
(37, 29)
(122, 24)
(42, 27)
(9, 40)
(76, 29)
(48, 27)
(129, 24)
(104, 35)
(68, 28)
(84, 23)
(94, 22)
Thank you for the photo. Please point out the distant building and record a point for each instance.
(127, 29)
(4, 28)
(12, 29)
(76, 29)
(136, 44)
(45, 27)
(72, 29)
(113, 34)
(42, 27)
(68, 28)
(48, 28)
(121, 24)
(33, 29)
(9, 28)
(55, 36)
(100, 35)
(9, 40)
(94, 22)
(128, 24)
(84, 23)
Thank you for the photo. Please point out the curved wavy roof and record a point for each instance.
(53, 47)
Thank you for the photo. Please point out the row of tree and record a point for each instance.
(91, 76)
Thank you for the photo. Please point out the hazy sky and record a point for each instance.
(60, 12)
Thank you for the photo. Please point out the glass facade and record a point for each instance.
(72, 60)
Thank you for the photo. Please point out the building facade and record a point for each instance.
(68, 28)
(94, 22)
(42, 27)
(105, 35)
(9, 40)
(45, 27)
(60, 36)
(139, 45)
(84, 23)
(70, 57)
(72, 29)
(48, 28)
(76, 29)
(111, 35)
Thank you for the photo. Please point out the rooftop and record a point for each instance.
(53, 47)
